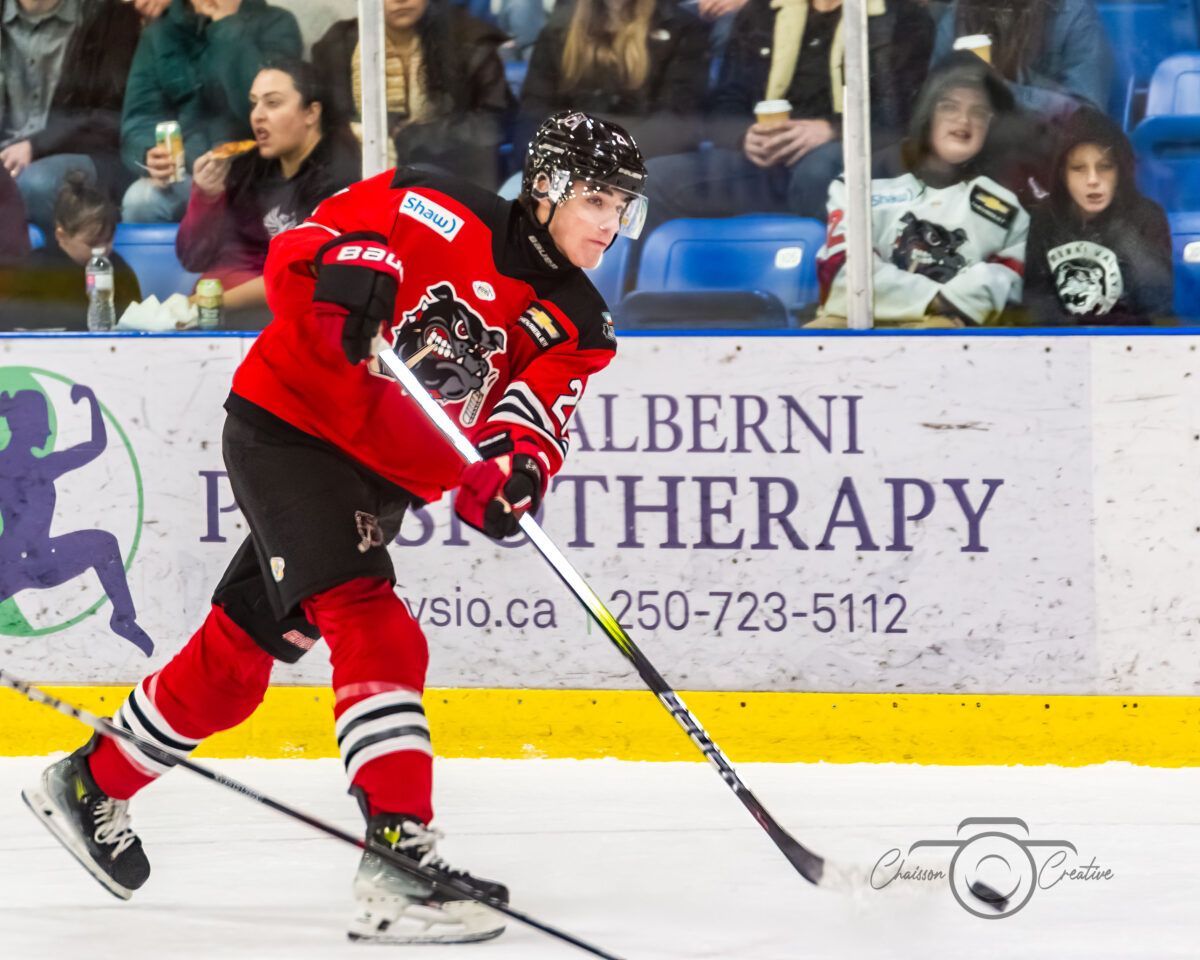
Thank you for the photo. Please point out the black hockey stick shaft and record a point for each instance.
(108, 728)
(809, 864)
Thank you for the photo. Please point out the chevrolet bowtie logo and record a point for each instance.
(544, 321)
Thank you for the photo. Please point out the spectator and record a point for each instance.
(1099, 252)
(47, 288)
(793, 50)
(721, 14)
(194, 65)
(640, 63)
(447, 96)
(84, 52)
(304, 154)
(14, 237)
(949, 241)
(1054, 54)
(523, 21)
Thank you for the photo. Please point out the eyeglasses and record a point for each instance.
(948, 109)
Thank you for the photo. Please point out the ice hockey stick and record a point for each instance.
(108, 728)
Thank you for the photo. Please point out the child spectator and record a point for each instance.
(793, 50)
(194, 65)
(1054, 54)
(46, 290)
(949, 241)
(304, 154)
(640, 63)
(1099, 252)
(80, 78)
(447, 96)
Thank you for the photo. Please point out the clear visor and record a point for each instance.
(601, 203)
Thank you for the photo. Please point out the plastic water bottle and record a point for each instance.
(101, 313)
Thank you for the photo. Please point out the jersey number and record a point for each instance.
(568, 400)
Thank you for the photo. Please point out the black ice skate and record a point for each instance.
(93, 826)
(395, 907)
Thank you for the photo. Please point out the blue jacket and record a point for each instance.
(1076, 61)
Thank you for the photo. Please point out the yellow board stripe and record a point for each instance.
(632, 725)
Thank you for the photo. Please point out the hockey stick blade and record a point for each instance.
(808, 864)
(109, 729)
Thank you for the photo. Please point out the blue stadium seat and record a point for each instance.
(1143, 33)
(36, 238)
(702, 310)
(1175, 87)
(770, 253)
(610, 276)
(1168, 151)
(1185, 244)
(149, 249)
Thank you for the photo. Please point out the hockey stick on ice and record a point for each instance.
(109, 729)
(810, 865)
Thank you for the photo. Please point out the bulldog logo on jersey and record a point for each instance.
(929, 249)
(1087, 277)
(457, 368)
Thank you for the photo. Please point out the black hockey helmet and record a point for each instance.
(574, 146)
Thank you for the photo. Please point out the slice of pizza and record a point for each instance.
(227, 151)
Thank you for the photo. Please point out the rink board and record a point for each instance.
(873, 518)
(297, 722)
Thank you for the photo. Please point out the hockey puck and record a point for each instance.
(985, 894)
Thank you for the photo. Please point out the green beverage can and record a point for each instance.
(210, 295)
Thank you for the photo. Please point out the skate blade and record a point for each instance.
(415, 923)
(37, 799)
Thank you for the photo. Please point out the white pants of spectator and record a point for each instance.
(146, 202)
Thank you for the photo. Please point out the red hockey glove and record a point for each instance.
(360, 274)
(494, 494)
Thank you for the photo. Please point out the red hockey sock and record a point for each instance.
(379, 658)
(215, 682)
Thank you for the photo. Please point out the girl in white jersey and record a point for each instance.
(949, 241)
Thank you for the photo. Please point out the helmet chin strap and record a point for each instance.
(537, 196)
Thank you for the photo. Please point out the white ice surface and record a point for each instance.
(649, 861)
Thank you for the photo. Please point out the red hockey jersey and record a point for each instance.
(516, 332)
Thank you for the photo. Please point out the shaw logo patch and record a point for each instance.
(436, 217)
(542, 327)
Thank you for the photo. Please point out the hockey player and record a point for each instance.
(325, 454)
(949, 239)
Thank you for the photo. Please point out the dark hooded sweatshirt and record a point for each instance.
(1114, 269)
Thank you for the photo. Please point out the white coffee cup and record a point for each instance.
(979, 44)
(771, 112)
